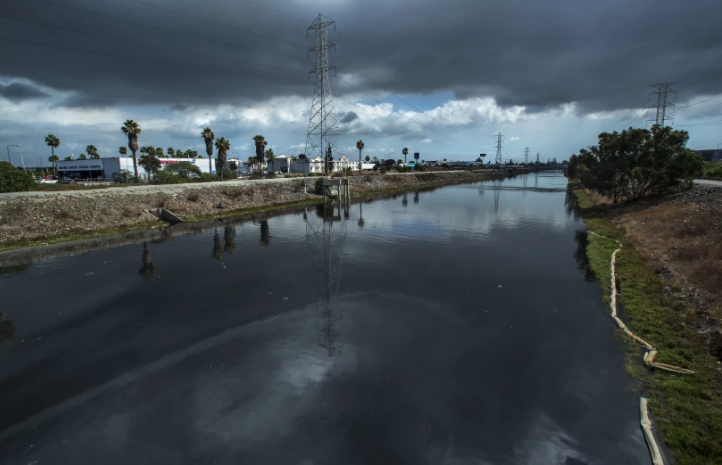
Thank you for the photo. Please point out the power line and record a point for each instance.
(382, 68)
(156, 28)
(151, 45)
(407, 117)
(305, 21)
(661, 91)
(154, 61)
(699, 124)
(421, 112)
(213, 22)
(224, 14)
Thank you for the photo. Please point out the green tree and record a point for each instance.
(270, 156)
(368, 158)
(132, 130)
(53, 142)
(398, 162)
(405, 151)
(223, 145)
(150, 163)
(360, 147)
(122, 151)
(82, 157)
(260, 143)
(636, 163)
(233, 166)
(68, 158)
(184, 169)
(159, 152)
(170, 151)
(14, 179)
(208, 136)
(92, 151)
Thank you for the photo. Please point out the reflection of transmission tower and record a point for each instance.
(497, 194)
(661, 91)
(325, 238)
(323, 129)
(499, 137)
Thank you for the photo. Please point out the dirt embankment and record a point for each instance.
(48, 216)
(681, 238)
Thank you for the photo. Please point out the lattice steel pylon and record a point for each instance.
(499, 137)
(526, 156)
(661, 91)
(323, 128)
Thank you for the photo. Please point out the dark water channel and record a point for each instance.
(454, 326)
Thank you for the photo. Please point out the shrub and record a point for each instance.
(255, 176)
(207, 177)
(271, 175)
(420, 168)
(184, 169)
(228, 174)
(318, 187)
(15, 179)
(383, 170)
(168, 177)
(233, 166)
(130, 212)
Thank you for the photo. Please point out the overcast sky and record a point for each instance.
(439, 77)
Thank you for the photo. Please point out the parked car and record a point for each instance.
(66, 181)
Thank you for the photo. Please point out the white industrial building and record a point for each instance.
(111, 167)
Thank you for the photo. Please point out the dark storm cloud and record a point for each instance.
(603, 55)
(18, 91)
(348, 117)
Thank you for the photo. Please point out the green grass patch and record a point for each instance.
(687, 409)
(77, 236)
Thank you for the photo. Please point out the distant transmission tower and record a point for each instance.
(322, 123)
(537, 158)
(499, 138)
(662, 91)
(526, 156)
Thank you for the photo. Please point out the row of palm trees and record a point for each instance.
(360, 146)
(53, 142)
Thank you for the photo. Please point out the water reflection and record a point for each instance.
(361, 221)
(217, 252)
(147, 271)
(265, 234)
(581, 237)
(229, 239)
(405, 201)
(416, 197)
(7, 329)
(325, 240)
(571, 204)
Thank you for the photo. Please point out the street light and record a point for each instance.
(8, 148)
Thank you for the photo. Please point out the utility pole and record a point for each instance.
(526, 156)
(322, 122)
(662, 91)
(499, 138)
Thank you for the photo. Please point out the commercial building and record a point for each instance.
(710, 155)
(110, 168)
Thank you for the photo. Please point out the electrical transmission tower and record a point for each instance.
(499, 138)
(662, 91)
(323, 132)
(537, 158)
(526, 156)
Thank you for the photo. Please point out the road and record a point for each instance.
(707, 182)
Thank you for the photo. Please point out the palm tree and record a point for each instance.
(92, 152)
(368, 158)
(405, 151)
(68, 159)
(360, 147)
(132, 129)
(170, 151)
(52, 142)
(159, 152)
(208, 136)
(261, 143)
(223, 145)
(82, 157)
(52, 159)
(122, 151)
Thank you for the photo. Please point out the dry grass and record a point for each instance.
(194, 196)
(68, 215)
(130, 212)
(176, 207)
(687, 240)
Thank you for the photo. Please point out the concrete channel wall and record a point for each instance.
(45, 215)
